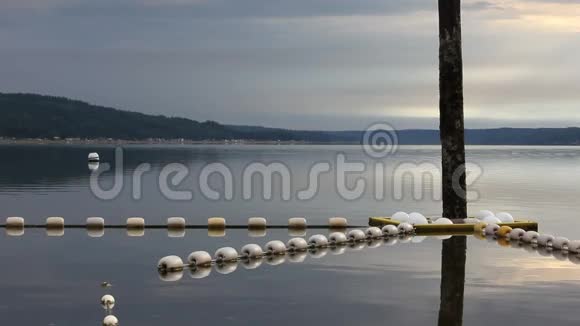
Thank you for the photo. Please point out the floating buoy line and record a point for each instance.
(108, 303)
(176, 226)
(225, 260)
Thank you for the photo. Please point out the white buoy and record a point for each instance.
(517, 234)
(275, 260)
(318, 241)
(15, 222)
(390, 230)
(176, 223)
(110, 320)
(405, 228)
(560, 243)
(483, 214)
(530, 237)
(356, 235)
(505, 217)
(199, 258)
(490, 219)
(297, 244)
(491, 229)
(252, 263)
(257, 233)
(135, 223)
(317, 253)
(417, 218)
(170, 264)
(252, 251)
(95, 223)
(226, 267)
(200, 272)
(297, 223)
(401, 217)
(545, 240)
(443, 221)
(216, 223)
(337, 238)
(226, 254)
(275, 247)
(337, 223)
(257, 223)
(297, 256)
(107, 301)
(93, 157)
(373, 232)
(574, 246)
(55, 223)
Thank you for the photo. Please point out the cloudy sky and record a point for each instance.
(304, 64)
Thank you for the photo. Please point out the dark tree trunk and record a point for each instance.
(451, 124)
(452, 281)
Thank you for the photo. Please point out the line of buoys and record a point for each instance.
(108, 303)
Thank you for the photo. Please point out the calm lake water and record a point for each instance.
(56, 280)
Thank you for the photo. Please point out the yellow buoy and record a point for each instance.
(504, 231)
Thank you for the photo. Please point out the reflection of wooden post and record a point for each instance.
(453, 258)
(451, 109)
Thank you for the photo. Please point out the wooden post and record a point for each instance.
(451, 125)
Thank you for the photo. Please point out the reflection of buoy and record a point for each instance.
(216, 233)
(199, 272)
(356, 246)
(108, 301)
(297, 232)
(545, 240)
(505, 217)
(297, 244)
(337, 250)
(373, 232)
(93, 157)
(337, 238)
(560, 243)
(560, 254)
(337, 223)
(257, 223)
(170, 264)
(96, 233)
(257, 233)
(390, 230)
(574, 259)
(110, 320)
(544, 251)
(252, 263)
(374, 243)
(530, 236)
(252, 251)
(356, 235)
(297, 257)
(226, 267)
(199, 258)
(517, 234)
(175, 233)
(503, 242)
(276, 247)
(390, 241)
(574, 246)
(318, 241)
(226, 254)
(275, 260)
(93, 166)
(318, 253)
(297, 223)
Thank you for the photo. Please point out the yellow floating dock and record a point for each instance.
(458, 228)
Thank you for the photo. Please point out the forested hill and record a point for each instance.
(38, 116)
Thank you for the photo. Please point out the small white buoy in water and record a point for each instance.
(337, 238)
(390, 230)
(560, 243)
(505, 217)
(297, 244)
(337, 223)
(110, 320)
(490, 219)
(14, 226)
(574, 246)
(170, 264)
(275, 247)
(176, 223)
(405, 228)
(530, 237)
(373, 232)
(93, 157)
(297, 223)
(95, 223)
(318, 241)
(257, 223)
(199, 258)
(135, 223)
(483, 214)
(443, 221)
(417, 218)
(226, 254)
(356, 235)
(491, 229)
(545, 240)
(108, 301)
(217, 223)
(55, 223)
(252, 251)
(517, 234)
(401, 217)
(200, 272)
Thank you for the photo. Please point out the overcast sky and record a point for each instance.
(303, 64)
